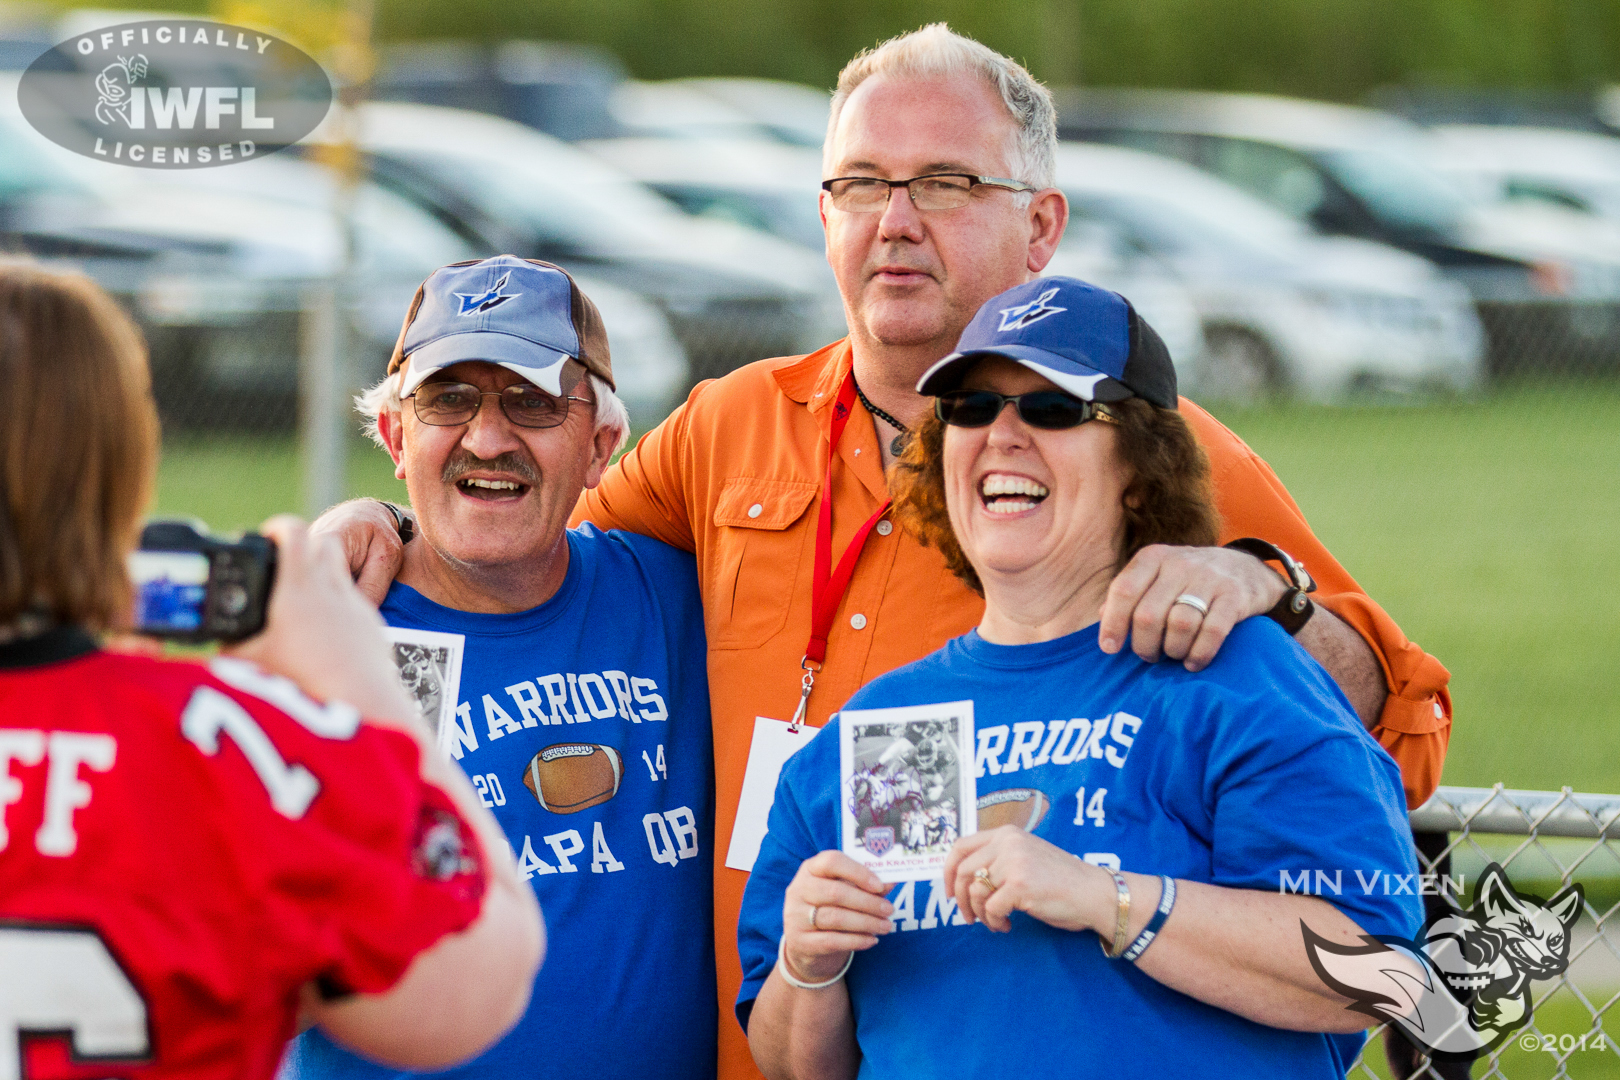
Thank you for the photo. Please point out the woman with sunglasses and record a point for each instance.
(1141, 807)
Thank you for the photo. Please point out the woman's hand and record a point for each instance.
(323, 635)
(1030, 875)
(833, 906)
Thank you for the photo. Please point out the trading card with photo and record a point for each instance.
(906, 788)
(429, 665)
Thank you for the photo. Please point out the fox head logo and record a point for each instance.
(1462, 985)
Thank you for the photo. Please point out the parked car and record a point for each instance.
(769, 186)
(562, 89)
(1575, 170)
(217, 265)
(746, 109)
(732, 294)
(399, 244)
(1283, 309)
(1546, 288)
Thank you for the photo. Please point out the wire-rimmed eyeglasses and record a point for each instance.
(935, 191)
(451, 404)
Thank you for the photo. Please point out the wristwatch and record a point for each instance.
(1295, 609)
(406, 527)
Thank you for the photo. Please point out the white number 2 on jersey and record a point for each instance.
(209, 713)
(64, 980)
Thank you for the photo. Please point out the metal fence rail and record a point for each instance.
(1544, 841)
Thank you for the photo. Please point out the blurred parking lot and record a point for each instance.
(1285, 248)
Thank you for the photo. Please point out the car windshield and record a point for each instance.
(562, 199)
(1397, 189)
(1180, 209)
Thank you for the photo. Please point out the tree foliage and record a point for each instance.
(1336, 49)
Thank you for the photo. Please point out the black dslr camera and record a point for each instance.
(194, 587)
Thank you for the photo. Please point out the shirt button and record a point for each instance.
(755, 510)
(857, 451)
(858, 621)
(1439, 713)
(885, 528)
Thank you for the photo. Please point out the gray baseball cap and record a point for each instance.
(525, 315)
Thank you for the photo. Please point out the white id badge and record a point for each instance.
(774, 742)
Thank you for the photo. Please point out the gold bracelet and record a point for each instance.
(1122, 926)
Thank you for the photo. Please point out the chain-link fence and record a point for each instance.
(1544, 841)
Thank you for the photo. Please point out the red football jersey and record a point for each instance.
(183, 847)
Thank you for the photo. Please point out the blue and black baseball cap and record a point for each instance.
(525, 315)
(1089, 341)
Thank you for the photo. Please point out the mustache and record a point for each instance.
(463, 462)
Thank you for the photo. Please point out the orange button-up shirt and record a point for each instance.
(734, 474)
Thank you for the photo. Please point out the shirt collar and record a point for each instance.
(54, 646)
(814, 380)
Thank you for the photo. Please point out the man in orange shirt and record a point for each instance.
(741, 474)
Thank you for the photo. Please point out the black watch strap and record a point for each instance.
(1295, 609)
(402, 524)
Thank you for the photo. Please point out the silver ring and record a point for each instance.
(810, 917)
(1193, 602)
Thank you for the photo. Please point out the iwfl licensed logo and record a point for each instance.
(1462, 985)
(174, 93)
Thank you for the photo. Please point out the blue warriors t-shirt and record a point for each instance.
(1252, 769)
(597, 702)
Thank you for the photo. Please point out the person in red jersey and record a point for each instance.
(197, 857)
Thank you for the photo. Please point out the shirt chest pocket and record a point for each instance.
(763, 542)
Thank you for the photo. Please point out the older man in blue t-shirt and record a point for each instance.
(583, 710)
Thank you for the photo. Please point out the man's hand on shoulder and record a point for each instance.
(369, 535)
(1141, 602)
(1234, 585)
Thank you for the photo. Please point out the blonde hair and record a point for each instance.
(935, 51)
(78, 448)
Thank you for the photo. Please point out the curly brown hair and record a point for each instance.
(1168, 499)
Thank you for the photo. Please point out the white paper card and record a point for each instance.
(774, 742)
(429, 665)
(906, 787)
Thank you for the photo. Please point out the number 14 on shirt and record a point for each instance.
(656, 770)
(1094, 810)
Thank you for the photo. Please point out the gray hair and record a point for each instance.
(936, 50)
(384, 398)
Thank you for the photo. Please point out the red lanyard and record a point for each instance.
(831, 583)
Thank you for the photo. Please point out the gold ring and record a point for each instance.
(982, 876)
(810, 917)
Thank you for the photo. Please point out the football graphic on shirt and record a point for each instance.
(1023, 807)
(570, 777)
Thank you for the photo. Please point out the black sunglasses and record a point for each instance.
(1052, 410)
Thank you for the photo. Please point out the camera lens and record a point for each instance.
(233, 600)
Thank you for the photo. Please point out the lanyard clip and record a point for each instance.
(806, 684)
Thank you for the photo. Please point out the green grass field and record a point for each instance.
(1561, 1016)
(1488, 529)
